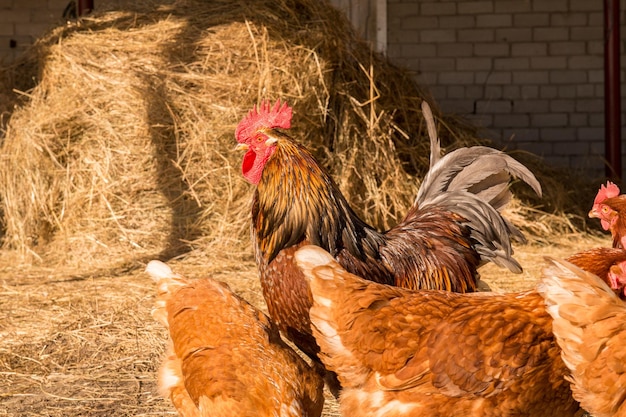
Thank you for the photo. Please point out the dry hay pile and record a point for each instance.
(122, 149)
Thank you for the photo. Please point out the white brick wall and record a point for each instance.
(530, 71)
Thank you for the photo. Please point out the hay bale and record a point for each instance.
(122, 150)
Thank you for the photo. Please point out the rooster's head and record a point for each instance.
(254, 135)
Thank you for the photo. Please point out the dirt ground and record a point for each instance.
(83, 343)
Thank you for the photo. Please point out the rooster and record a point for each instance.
(226, 358)
(452, 228)
(400, 352)
(590, 327)
(610, 207)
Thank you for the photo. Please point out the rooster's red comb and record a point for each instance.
(609, 191)
(264, 116)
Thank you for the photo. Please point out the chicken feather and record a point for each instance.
(590, 326)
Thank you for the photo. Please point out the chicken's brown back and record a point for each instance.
(231, 357)
(435, 353)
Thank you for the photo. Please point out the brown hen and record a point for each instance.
(399, 352)
(605, 263)
(610, 207)
(226, 358)
(453, 227)
(590, 326)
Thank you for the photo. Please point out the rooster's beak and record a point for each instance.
(242, 147)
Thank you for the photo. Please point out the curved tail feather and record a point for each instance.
(474, 183)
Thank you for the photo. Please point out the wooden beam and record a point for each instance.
(612, 86)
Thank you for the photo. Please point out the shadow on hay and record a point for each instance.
(170, 182)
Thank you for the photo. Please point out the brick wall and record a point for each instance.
(530, 71)
(21, 21)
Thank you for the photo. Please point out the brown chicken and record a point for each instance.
(604, 262)
(453, 226)
(226, 358)
(399, 352)
(608, 206)
(590, 327)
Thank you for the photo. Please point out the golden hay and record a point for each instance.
(122, 150)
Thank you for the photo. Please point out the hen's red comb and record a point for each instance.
(609, 191)
(264, 116)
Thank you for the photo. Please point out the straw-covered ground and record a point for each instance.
(80, 345)
(116, 148)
